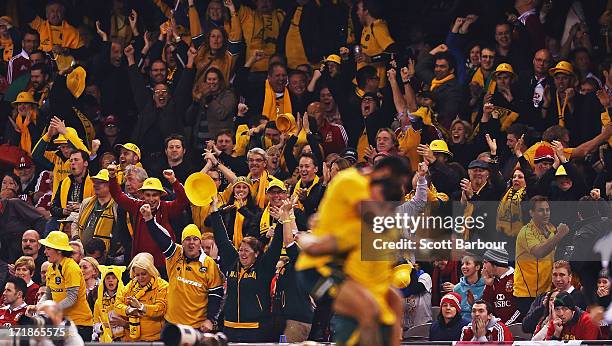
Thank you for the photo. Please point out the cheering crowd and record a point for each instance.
(204, 163)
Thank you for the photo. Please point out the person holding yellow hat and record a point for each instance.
(98, 214)
(57, 160)
(26, 125)
(66, 284)
(196, 286)
(164, 211)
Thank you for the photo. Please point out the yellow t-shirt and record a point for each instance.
(189, 286)
(260, 31)
(296, 55)
(64, 275)
(375, 39)
(532, 276)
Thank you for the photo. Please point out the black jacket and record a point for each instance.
(293, 301)
(247, 301)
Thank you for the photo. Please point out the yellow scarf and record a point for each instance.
(107, 302)
(298, 186)
(260, 193)
(7, 45)
(561, 109)
(409, 139)
(88, 190)
(104, 226)
(438, 82)
(264, 223)
(294, 46)
(138, 293)
(605, 119)
(238, 222)
(509, 219)
(489, 84)
(273, 107)
(22, 123)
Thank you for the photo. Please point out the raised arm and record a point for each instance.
(228, 253)
(160, 235)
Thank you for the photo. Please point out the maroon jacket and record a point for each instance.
(141, 239)
(500, 296)
(581, 327)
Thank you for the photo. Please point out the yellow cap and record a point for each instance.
(276, 183)
(24, 97)
(400, 278)
(152, 184)
(561, 172)
(564, 67)
(75, 81)
(129, 146)
(61, 139)
(57, 240)
(102, 175)
(439, 146)
(191, 231)
(200, 189)
(334, 58)
(504, 67)
(285, 123)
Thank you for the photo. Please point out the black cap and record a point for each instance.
(565, 299)
(478, 164)
(350, 154)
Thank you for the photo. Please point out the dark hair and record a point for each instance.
(40, 67)
(535, 199)
(30, 31)
(373, 7)
(219, 74)
(224, 35)
(226, 132)
(20, 285)
(38, 51)
(253, 243)
(95, 244)
(274, 65)
(517, 129)
(65, 253)
(398, 165)
(586, 207)
(503, 22)
(575, 51)
(298, 72)
(491, 48)
(158, 61)
(364, 74)
(309, 156)
(16, 180)
(605, 65)
(84, 154)
(446, 56)
(554, 133)
(488, 305)
(172, 137)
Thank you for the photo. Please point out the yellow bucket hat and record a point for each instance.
(152, 184)
(102, 175)
(440, 146)
(191, 231)
(61, 139)
(564, 67)
(334, 58)
(24, 97)
(200, 189)
(57, 240)
(75, 81)
(504, 67)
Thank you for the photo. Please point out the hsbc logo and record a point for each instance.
(501, 296)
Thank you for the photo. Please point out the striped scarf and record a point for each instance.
(298, 186)
(138, 292)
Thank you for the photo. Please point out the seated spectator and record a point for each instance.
(449, 324)
(31, 248)
(471, 285)
(24, 268)
(143, 301)
(104, 309)
(603, 289)
(485, 326)
(570, 322)
(91, 272)
(543, 324)
(499, 280)
(13, 295)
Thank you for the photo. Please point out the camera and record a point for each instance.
(178, 334)
(37, 321)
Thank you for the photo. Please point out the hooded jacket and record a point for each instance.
(462, 288)
(580, 327)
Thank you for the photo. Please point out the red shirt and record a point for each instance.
(581, 327)
(141, 240)
(10, 317)
(18, 66)
(333, 138)
(496, 331)
(500, 296)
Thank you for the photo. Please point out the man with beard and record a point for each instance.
(162, 114)
(39, 85)
(74, 188)
(30, 247)
(25, 171)
(129, 154)
(175, 159)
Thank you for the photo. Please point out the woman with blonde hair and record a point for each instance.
(143, 300)
(91, 272)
